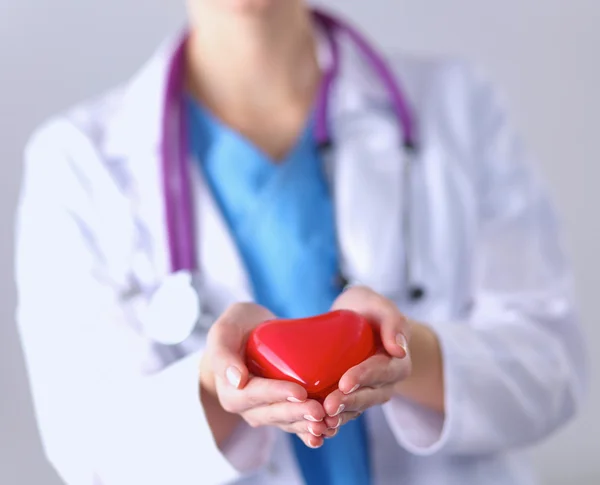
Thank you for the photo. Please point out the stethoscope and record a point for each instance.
(175, 310)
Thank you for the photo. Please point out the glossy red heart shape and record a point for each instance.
(314, 352)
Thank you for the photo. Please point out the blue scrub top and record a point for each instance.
(281, 217)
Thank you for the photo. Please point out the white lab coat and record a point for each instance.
(114, 408)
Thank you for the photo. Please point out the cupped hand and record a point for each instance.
(374, 381)
(258, 401)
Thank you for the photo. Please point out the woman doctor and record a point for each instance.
(457, 261)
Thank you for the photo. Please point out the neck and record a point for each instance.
(252, 60)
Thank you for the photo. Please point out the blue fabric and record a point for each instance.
(282, 219)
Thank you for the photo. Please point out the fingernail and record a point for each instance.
(311, 431)
(353, 389)
(308, 417)
(294, 400)
(402, 342)
(339, 410)
(234, 376)
(313, 446)
(334, 433)
(339, 421)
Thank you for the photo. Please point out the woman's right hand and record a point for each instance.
(230, 393)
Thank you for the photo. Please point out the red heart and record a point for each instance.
(313, 352)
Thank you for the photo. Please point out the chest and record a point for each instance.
(386, 217)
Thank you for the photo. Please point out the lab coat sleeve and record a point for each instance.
(514, 368)
(102, 417)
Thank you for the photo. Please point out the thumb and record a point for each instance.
(395, 333)
(394, 328)
(226, 341)
(226, 347)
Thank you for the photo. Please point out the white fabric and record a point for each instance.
(117, 409)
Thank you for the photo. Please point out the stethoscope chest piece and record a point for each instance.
(173, 310)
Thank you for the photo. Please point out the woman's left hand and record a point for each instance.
(374, 381)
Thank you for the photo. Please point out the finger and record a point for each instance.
(394, 327)
(263, 392)
(317, 430)
(226, 340)
(335, 423)
(359, 401)
(310, 440)
(395, 331)
(377, 371)
(285, 413)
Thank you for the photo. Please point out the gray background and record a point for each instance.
(543, 53)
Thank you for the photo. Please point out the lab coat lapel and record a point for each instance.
(223, 276)
(367, 171)
(134, 138)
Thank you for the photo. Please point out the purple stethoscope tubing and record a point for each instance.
(174, 143)
(175, 171)
(333, 25)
